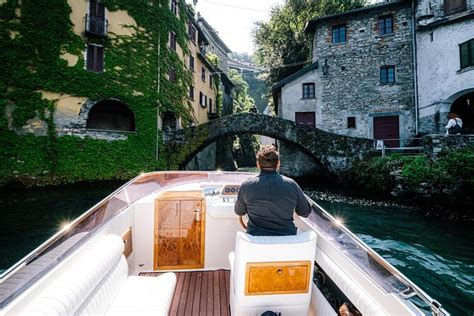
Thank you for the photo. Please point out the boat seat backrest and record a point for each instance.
(87, 284)
(272, 273)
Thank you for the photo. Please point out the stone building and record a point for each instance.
(360, 82)
(445, 63)
(216, 44)
(88, 84)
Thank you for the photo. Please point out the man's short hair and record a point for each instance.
(267, 157)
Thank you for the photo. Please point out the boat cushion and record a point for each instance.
(145, 296)
(270, 249)
(89, 281)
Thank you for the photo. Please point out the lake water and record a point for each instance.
(436, 255)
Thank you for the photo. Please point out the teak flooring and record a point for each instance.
(200, 293)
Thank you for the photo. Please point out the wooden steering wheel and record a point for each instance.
(241, 220)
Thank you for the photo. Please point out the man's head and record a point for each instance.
(267, 158)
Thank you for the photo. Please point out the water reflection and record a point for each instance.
(436, 255)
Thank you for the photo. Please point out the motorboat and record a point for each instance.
(170, 243)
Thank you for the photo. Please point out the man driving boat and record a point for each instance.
(270, 199)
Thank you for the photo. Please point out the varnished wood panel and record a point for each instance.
(196, 293)
(127, 242)
(287, 277)
(179, 230)
(190, 233)
(167, 233)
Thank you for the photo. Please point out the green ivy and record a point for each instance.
(33, 35)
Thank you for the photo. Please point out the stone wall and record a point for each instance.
(435, 144)
(204, 160)
(351, 85)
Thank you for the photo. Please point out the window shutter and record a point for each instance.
(99, 60)
(464, 52)
(90, 57)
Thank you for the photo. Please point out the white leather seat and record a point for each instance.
(277, 259)
(95, 281)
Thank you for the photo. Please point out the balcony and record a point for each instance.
(96, 26)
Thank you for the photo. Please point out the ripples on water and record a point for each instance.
(436, 255)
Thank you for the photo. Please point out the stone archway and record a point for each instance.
(464, 107)
(335, 153)
(110, 115)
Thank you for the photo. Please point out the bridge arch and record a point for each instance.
(333, 152)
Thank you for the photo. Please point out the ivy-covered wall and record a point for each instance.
(33, 36)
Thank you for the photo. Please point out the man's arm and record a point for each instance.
(240, 208)
(303, 207)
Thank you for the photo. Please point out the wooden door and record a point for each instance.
(387, 128)
(167, 233)
(179, 231)
(307, 118)
(190, 233)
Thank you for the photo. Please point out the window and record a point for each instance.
(192, 32)
(466, 52)
(173, 41)
(305, 118)
(351, 122)
(454, 6)
(308, 91)
(210, 80)
(387, 74)
(96, 24)
(339, 34)
(203, 74)
(385, 25)
(202, 99)
(174, 7)
(191, 93)
(210, 105)
(191, 63)
(111, 115)
(172, 75)
(95, 58)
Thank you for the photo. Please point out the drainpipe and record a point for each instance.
(415, 73)
(158, 100)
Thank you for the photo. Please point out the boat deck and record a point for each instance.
(200, 293)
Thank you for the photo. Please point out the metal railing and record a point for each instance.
(399, 145)
(96, 26)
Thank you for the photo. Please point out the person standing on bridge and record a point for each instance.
(271, 199)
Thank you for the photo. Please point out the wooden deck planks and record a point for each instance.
(200, 293)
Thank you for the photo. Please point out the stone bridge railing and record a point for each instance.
(334, 152)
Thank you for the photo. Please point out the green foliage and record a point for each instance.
(243, 102)
(452, 173)
(258, 90)
(281, 40)
(213, 59)
(33, 36)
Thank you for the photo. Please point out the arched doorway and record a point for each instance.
(464, 107)
(170, 122)
(111, 115)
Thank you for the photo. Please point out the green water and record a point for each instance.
(437, 255)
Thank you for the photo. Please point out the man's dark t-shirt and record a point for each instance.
(270, 199)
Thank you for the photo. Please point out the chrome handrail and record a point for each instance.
(436, 307)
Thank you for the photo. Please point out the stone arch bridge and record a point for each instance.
(335, 153)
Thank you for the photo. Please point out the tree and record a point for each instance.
(282, 41)
(243, 101)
